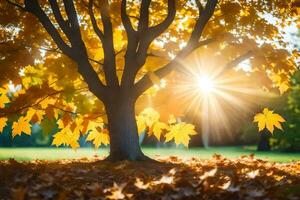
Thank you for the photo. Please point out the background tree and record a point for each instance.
(289, 141)
(120, 49)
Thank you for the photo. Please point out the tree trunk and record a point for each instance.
(124, 139)
(264, 142)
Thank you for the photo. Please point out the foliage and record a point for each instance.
(215, 178)
(290, 140)
(268, 119)
(49, 83)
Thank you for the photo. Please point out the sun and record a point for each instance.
(215, 97)
(206, 84)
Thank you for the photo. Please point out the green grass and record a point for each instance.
(27, 154)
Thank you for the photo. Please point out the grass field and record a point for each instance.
(27, 154)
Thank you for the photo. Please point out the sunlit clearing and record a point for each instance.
(206, 84)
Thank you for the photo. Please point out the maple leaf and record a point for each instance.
(21, 126)
(59, 139)
(150, 116)
(117, 192)
(34, 115)
(268, 119)
(158, 127)
(181, 133)
(3, 100)
(140, 184)
(66, 137)
(98, 137)
(3, 121)
(283, 85)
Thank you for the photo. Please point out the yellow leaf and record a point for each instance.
(150, 116)
(59, 138)
(47, 102)
(98, 137)
(99, 54)
(26, 82)
(3, 100)
(4, 90)
(3, 121)
(158, 127)
(34, 115)
(140, 120)
(181, 133)
(66, 137)
(172, 119)
(268, 119)
(21, 126)
(283, 87)
(146, 119)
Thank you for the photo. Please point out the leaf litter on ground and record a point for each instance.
(170, 178)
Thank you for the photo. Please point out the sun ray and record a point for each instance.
(216, 97)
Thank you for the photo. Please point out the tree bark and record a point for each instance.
(264, 142)
(124, 139)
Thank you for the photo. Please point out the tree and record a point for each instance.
(289, 141)
(140, 43)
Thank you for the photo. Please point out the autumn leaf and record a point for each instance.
(283, 85)
(181, 133)
(172, 119)
(117, 192)
(3, 100)
(157, 129)
(147, 118)
(21, 126)
(150, 115)
(59, 139)
(66, 137)
(3, 121)
(98, 137)
(34, 115)
(268, 119)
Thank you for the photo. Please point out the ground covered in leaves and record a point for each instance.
(171, 178)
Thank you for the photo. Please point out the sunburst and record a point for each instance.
(218, 98)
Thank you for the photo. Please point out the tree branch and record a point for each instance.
(106, 38)
(17, 5)
(108, 46)
(126, 20)
(239, 59)
(59, 18)
(147, 35)
(192, 44)
(144, 16)
(72, 17)
(132, 45)
(94, 22)
(78, 50)
(34, 7)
